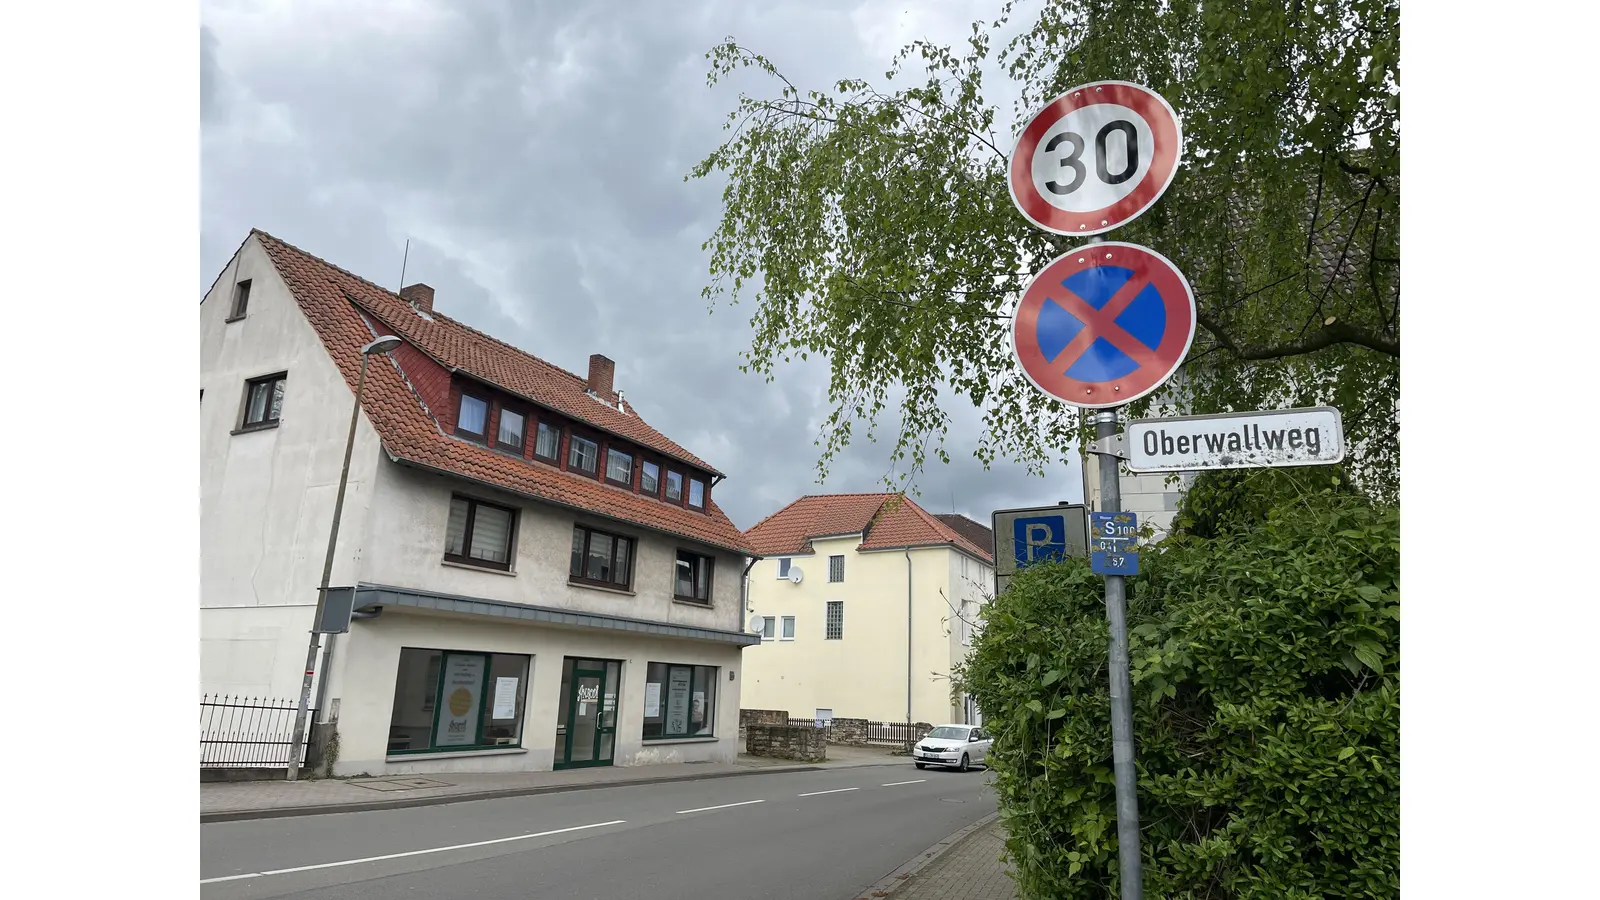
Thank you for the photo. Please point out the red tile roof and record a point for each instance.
(894, 519)
(974, 531)
(332, 298)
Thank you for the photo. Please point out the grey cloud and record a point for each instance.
(534, 155)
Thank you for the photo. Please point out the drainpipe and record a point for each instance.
(910, 738)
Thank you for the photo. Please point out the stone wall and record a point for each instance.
(748, 717)
(849, 731)
(798, 742)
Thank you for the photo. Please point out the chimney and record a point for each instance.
(601, 371)
(419, 296)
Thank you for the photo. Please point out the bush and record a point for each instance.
(1265, 658)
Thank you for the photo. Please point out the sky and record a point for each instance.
(533, 154)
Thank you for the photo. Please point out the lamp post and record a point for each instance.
(297, 739)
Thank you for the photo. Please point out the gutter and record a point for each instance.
(908, 649)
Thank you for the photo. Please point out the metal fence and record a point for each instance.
(248, 732)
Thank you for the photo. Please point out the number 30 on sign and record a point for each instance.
(1095, 158)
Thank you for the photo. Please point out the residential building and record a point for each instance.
(540, 578)
(868, 603)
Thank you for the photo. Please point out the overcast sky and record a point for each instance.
(533, 152)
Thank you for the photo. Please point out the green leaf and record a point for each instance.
(1346, 753)
(1371, 654)
(1056, 714)
(1036, 706)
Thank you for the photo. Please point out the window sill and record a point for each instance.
(475, 568)
(704, 739)
(452, 754)
(600, 587)
(697, 604)
(231, 319)
(249, 428)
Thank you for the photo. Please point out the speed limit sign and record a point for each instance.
(1095, 158)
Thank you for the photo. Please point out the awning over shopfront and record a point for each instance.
(371, 596)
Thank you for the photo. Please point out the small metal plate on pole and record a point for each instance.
(1111, 543)
(1025, 536)
(336, 611)
(1273, 438)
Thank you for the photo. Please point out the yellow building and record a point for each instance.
(868, 602)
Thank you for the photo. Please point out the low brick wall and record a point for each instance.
(796, 742)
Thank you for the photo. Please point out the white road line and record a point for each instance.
(834, 791)
(898, 783)
(351, 862)
(684, 812)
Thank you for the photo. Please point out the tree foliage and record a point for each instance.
(873, 225)
(1265, 663)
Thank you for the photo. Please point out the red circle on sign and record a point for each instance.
(1101, 323)
(1165, 129)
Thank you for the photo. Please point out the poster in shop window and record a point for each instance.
(678, 701)
(462, 699)
(652, 699)
(505, 698)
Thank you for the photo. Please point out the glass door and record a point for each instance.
(591, 720)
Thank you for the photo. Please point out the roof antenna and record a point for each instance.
(403, 260)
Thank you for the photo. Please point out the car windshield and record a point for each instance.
(944, 732)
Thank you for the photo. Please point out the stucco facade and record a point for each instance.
(863, 673)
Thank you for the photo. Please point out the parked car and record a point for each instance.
(952, 746)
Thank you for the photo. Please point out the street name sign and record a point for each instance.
(1025, 536)
(1112, 538)
(1313, 436)
(1095, 158)
(1104, 324)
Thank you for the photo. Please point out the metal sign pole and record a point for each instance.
(1105, 429)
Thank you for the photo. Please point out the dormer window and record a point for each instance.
(509, 435)
(697, 493)
(619, 467)
(674, 487)
(583, 455)
(473, 419)
(650, 479)
(548, 445)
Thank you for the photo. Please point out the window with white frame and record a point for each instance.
(783, 567)
(787, 632)
(835, 569)
(769, 627)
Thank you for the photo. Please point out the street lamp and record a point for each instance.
(381, 345)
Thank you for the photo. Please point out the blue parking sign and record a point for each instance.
(1037, 538)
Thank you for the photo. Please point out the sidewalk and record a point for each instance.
(970, 870)
(231, 801)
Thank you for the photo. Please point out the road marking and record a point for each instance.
(351, 862)
(684, 812)
(898, 783)
(834, 791)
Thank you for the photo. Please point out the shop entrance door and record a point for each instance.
(591, 720)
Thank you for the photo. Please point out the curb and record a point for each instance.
(238, 815)
(897, 879)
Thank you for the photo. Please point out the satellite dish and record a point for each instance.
(795, 575)
(757, 623)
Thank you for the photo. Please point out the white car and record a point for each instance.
(955, 746)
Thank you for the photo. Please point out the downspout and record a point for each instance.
(910, 734)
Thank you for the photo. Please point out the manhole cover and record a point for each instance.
(400, 784)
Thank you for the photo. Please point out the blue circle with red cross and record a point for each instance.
(1104, 324)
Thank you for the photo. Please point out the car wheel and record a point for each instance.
(921, 765)
(966, 764)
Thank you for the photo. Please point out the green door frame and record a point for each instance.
(566, 761)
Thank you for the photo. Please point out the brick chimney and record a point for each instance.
(419, 296)
(601, 372)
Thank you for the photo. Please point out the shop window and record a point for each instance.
(447, 700)
(680, 701)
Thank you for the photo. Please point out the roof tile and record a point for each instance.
(329, 297)
(895, 520)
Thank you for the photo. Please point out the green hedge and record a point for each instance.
(1265, 653)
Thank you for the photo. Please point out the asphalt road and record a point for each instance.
(623, 843)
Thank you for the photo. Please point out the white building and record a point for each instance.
(541, 579)
(869, 603)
